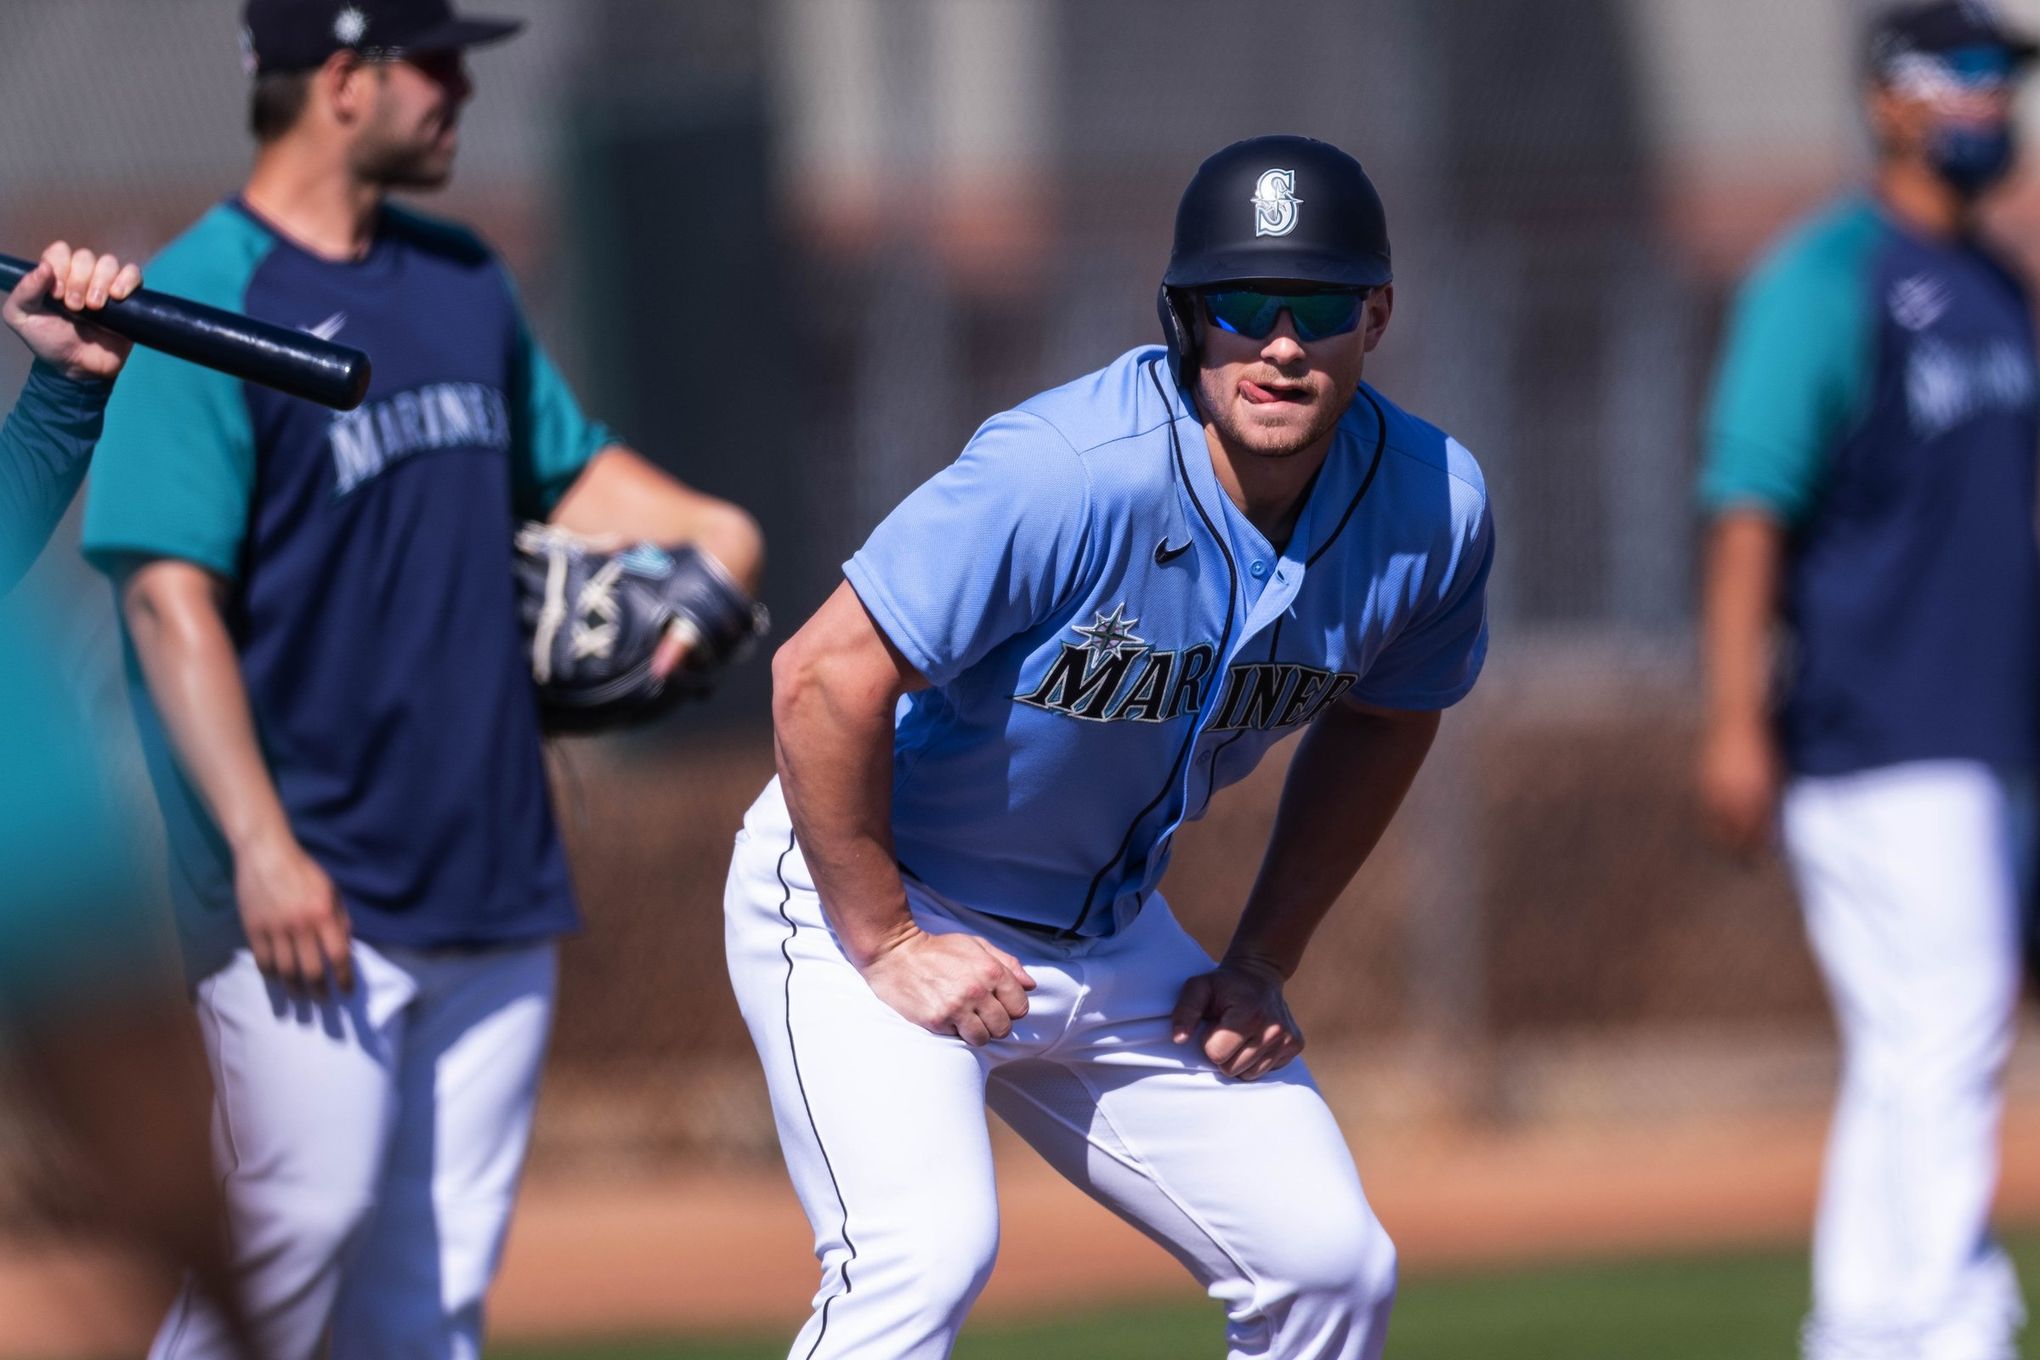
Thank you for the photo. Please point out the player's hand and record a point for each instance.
(952, 984)
(674, 649)
(80, 280)
(296, 927)
(1245, 1020)
(1739, 779)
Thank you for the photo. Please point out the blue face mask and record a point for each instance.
(1971, 158)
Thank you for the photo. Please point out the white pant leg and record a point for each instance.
(416, 1281)
(1909, 883)
(882, 1123)
(305, 1099)
(1249, 1184)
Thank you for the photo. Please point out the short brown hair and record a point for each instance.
(277, 102)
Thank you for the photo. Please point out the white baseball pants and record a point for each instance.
(1910, 877)
(1249, 1184)
(371, 1146)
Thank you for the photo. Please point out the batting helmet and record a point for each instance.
(1281, 209)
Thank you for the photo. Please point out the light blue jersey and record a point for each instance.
(1109, 640)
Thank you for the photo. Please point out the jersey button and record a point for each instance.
(1259, 569)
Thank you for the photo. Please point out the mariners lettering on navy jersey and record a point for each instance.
(1110, 641)
(463, 415)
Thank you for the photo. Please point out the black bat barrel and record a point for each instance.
(275, 356)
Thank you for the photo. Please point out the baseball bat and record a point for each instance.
(292, 362)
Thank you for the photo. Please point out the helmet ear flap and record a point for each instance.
(1179, 329)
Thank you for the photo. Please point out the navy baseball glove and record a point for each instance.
(595, 613)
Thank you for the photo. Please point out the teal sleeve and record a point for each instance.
(44, 446)
(174, 468)
(1795, 373)
(176, 461)
(552, 438)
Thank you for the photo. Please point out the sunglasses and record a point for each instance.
(1316, 316)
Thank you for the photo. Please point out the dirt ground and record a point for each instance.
(666, 1253)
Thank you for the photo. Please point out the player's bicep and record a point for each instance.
(840, 672)
(849, 642)
(160, 595)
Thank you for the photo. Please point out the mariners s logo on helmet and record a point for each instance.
(1275, 203)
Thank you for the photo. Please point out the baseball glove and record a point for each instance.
(595, 612)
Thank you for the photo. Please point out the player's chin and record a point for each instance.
(1275, 433)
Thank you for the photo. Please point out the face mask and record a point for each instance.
(1971, 158)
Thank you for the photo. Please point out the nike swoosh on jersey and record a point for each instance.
(1164, 554)
(330, 327)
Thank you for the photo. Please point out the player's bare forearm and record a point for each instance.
(621, 492)
(835, 685)
(295, 924)
(174, 614)
(1348, 778)
(1745, 551)
(1739, 768)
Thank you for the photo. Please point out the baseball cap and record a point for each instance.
(297, 35)
(1943, 32)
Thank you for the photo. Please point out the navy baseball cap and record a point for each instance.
(298, 35)
(1942, 30)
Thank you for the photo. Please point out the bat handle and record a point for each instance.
(292, 362)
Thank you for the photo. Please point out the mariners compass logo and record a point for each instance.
(1275, 203)
(1112, 636)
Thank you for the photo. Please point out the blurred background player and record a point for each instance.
(342, 727)
(1870, 469)
(89, 1011)
(1169, 566)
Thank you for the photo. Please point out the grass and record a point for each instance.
(1701, 1308)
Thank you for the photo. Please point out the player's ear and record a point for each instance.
(345, 86)
(1380, 305)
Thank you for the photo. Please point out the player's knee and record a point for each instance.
(1346, 1267)
(946, 1265)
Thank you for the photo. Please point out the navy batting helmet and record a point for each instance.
(1279, 209)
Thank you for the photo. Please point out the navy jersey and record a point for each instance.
(1110, 641)
(1878, 396)
(369, 559)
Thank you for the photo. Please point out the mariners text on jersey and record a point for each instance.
(437, 417)
(1138, 683)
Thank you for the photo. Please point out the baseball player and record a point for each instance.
(1870, 475)
(1044, 662)
(105, 1050)
(49, 436)
(343, 729)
